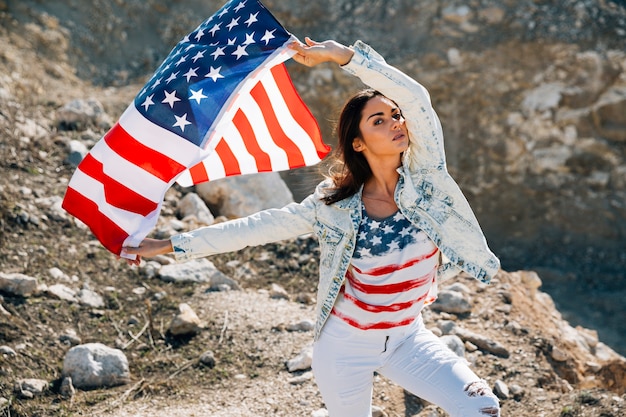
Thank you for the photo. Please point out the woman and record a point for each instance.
(391, 223)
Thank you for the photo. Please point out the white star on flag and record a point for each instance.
(269, 35)
(240, 51)
(170, 98)
(214, 73)
(181, 122)
(197, 95)
(251, 19)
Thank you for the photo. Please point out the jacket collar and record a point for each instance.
(351, 203)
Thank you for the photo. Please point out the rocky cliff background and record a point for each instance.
(532, 97)
(531, 94)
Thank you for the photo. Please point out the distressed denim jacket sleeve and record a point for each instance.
(260, 228)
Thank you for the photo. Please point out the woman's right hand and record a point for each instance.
(313, 53)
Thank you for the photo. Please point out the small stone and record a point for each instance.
(501, 390)
(446, 326)
(90, 298)
(558, 355)
(62, 292)
(455, 344)
(516, 391)
(278, 292)
(301, 362)
(377, 411)
(436, 331)
(514, 327)
(303, 326)
(58, 275)
(504, 308)
(67, 388)
(5, 350)
(482, 342)
(70, 338)
(30, 387)
(492, 15)
(452, 302)
(459, 287)
(301, 379)
(186, 322)
(470, 347)
(454, 57)
(207, 359)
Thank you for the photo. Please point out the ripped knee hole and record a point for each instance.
(481, 389)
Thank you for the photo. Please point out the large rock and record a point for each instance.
(247, 194)
(197, 270)
(193, 205)
(94, 365)
(79, 114)
(18, 284)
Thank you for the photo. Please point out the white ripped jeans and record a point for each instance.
(345, 359)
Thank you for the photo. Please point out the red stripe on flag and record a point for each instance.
(231, 165)
(263, 161)
(299, 110)
(154, 162)
(294, 155)
(105, 229)
(198, 173)
(115, 193)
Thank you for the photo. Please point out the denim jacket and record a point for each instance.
(426, 194)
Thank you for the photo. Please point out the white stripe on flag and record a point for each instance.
(277, 155)
(161, 140)
(247, 163)
(296, 133)
(214, 166)
(94, 191)
(128, 174)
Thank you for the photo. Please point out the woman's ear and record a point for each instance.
(357, 145)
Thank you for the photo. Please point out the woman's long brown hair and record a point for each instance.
(348, 168)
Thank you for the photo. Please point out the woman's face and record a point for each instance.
(383, 129)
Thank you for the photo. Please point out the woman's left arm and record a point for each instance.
(422, 121)
(363, 62)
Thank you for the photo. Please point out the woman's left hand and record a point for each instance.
(313, 53)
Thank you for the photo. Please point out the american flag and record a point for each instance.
(221, 104)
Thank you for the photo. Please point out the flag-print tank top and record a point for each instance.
(391, 277)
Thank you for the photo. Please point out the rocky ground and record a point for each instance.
(542, 366)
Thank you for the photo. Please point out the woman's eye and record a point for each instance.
(377, 121)
(397, 116)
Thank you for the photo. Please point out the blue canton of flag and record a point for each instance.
(188, 91)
